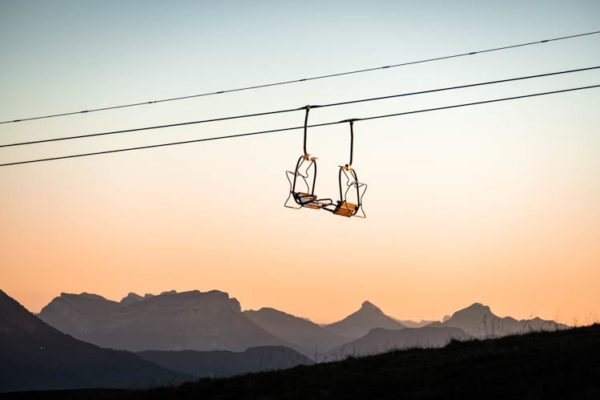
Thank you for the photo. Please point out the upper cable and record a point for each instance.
(307, 108)
(246, 134)
(287, 82)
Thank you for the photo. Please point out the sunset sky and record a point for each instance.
(498, 204)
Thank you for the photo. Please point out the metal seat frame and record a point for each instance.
(308, 198)
(305, 198)
(343, 207)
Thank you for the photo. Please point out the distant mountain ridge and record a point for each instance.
(169, 321)
(414, 324)
(217, 364)
(362, 321)
(134, 298)
(35, 356)
(310, 337)
(478, 320)
(214, 321)
(181, 331)
(381, 340)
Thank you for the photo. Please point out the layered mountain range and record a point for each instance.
(170, 321)
(478, 321)
(359, 323)
(178, 336)
(310, 338)
(381, 340)
(218, 364)
(213, 321)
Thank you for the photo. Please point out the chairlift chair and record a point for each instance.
(303, 180)
(351, 191)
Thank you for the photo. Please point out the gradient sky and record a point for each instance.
(498, 204)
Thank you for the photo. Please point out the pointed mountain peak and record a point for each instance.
(131, 298)
(369, 307)
(478, 307)
(360, 322)
(475, 310)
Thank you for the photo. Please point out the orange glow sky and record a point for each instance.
(498, 204)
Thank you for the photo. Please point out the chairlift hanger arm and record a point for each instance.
(306, 128)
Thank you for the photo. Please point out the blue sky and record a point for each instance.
(473, 196)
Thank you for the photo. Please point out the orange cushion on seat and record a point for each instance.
(346, 209)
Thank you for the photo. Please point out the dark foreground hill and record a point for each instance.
(217, 364)
(382, 340)
(546, 365)
(35, 356)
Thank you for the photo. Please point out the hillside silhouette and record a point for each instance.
(213, 321)
(216, 364)
(36, 356)
(381, 340)
(541, 365)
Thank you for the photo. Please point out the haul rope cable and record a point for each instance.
(470, 85)
(287, 82)
(300, 127)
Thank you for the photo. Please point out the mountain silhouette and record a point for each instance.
(541, 365)
(479, 321)
(169, 321)
(380, 340)
(309, 337)
(215, 364)
(35, 356)
(362, 321)
(414, 324)
(213, 321)
(131, 298)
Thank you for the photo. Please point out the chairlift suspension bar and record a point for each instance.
(351, 141)
(306, 128)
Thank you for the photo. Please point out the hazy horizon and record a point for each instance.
(497, 204)
(591, 318)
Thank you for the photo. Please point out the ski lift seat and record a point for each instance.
(307, 200)
(345, 209)
(311, 201)
(305, 174)
(343, 206)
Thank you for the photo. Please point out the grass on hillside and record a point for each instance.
(545, 365)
